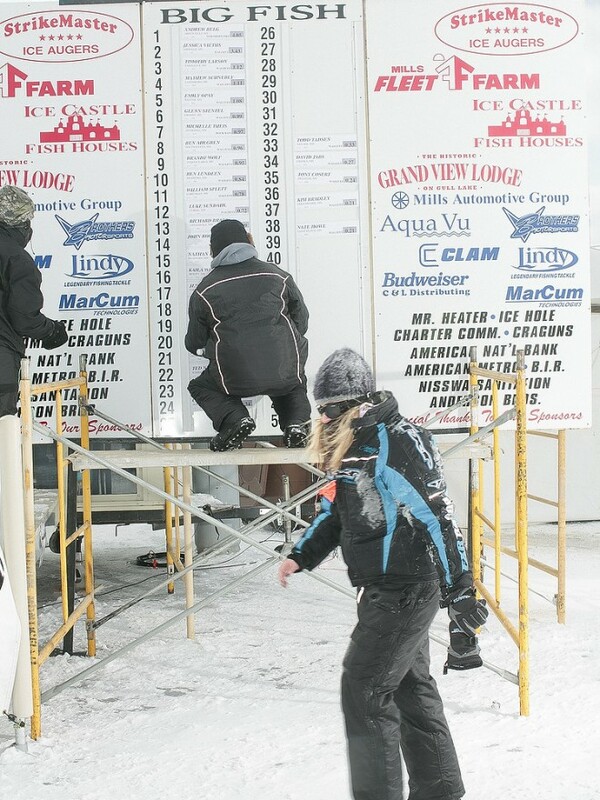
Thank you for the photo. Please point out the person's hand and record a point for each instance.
(57, 337)
(287, 568)
(463, 651)
(467, 612)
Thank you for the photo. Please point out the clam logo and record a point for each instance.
(99, 268)
(545, 259)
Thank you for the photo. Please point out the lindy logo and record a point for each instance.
(100, 267)
(545, 259)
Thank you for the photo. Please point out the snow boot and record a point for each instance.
(231, 438)
(296, 435)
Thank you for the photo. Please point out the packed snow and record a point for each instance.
(250, 708)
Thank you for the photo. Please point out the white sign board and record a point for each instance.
(422, 176)
(70, 84)
(479, 205)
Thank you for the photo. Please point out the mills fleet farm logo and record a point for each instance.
(63, 36)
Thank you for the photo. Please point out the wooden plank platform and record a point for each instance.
(129, 459)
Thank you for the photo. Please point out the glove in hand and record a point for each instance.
(58, 336)
(463, 652)
(467, 612)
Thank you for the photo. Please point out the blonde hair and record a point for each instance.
(329, 442)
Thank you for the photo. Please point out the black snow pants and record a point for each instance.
(391, 702)
(292, 408)
(10, 365)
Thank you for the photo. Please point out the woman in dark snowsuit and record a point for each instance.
(387, 508)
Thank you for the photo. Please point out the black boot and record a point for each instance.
(232, 436)
(296, 435)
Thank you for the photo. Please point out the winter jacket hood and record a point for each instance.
(234, 254)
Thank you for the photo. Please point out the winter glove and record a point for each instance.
(467, 612)
(463, 652)
(58, 336)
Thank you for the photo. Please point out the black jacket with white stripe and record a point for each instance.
(249, 317)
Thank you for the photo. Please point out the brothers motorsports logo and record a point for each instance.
(537, 223)
(89, 229)
(100, 267)
(432, 255)
(62, 36)
(545, 259)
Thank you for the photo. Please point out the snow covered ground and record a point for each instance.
(250, 709)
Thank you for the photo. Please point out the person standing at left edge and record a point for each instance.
(388, 510)
(21, 298)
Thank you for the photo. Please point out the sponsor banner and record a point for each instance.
(70, 83)
(479, 205)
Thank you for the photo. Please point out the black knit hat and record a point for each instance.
(226, 232)
(344, 375)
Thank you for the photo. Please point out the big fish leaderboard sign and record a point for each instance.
(479, 213)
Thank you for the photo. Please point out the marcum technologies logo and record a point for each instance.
(545, 259)
(89, 229)
(100, 267)
(548, 295)
(536, 222)
(73, 302)
(63, 36)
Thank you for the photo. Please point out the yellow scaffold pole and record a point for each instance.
(30, 554)
(521, 505)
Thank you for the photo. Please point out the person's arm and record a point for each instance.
(198, 330)
(25, 299)
(296, 306)
(315, 544)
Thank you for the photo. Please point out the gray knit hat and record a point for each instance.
(16, 207)
(343, 375)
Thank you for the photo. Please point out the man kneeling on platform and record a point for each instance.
(249, 319)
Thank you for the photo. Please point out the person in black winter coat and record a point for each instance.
(21, 299)
(249, 319)
(388, 510)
